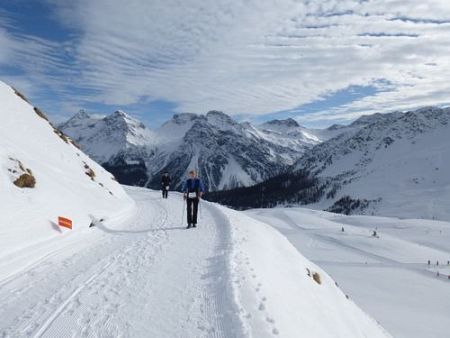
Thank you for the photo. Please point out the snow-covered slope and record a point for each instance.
(226, 153)
(67, 182)
(282, 293)
(147, 276)
(398, 163)
(388, 275)
(288, 133)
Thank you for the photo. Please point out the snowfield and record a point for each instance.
(388, 276)
(67, 182)
(147, 276)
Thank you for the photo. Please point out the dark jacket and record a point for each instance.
(165, 180)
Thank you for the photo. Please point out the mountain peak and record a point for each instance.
(182, 118)
(289, 122)
(120, 113)
(216, 113)
(82, 114)
(220, 119)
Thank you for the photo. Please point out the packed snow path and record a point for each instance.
(151, 278)
(142, 274)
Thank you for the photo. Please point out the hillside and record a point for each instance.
(43, 175)
(386, 275)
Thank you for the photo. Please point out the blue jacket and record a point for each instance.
(192, 185)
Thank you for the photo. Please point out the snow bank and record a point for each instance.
(389, 276)
(277, 293)
(68, 183)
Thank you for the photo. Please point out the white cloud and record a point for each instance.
(250, 57)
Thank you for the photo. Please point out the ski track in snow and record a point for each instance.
(116, 281)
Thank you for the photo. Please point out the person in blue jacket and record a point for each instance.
(193, 190)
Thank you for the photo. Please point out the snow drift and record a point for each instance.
(280, 292)
(66, 181)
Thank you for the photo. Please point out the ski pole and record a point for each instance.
(182, 213)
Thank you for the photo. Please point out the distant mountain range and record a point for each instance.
(391, 164)
(227, 154)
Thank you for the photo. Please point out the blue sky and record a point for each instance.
(319, 62)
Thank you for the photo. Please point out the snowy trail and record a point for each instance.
(144, 277)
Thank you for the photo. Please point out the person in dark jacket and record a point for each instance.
(165, 184)
(193, 190)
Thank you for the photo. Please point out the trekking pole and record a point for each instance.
(182, 213)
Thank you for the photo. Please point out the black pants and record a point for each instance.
(165, 192)
(192, 212)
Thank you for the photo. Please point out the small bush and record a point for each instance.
(76, 145)
(317, 278)
(19, 94)
(40, 113)
(26, 180)
(90, 173)
(61, 135)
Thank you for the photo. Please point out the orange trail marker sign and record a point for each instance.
(64, 222)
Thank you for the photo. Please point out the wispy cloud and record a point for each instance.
(244, 57)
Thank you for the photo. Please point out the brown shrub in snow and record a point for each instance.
(26, 180)
(40, 114)
(19, 94)
(317, 278)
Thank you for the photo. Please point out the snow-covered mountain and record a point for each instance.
(391, 164)
(226, 153)
(396, 165)
(119, 142)
(43, 175)
(104, 137)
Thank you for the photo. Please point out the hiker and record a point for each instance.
(165, 183)
(193, 190)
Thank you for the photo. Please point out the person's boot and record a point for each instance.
(189, 226)
(194, 225)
